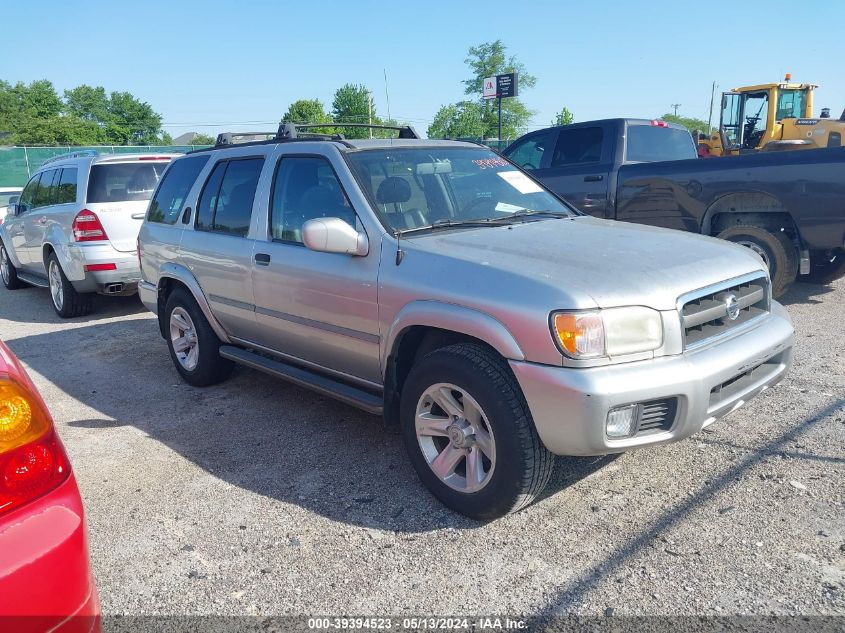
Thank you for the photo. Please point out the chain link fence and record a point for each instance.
(17, 164)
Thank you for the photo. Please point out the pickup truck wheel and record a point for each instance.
(8, 272)
(775, 249)
(193, 345)
(470, 435)
(67, 302)
(826, 270)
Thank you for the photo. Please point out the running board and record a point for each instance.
(304, 378)
(33, 280)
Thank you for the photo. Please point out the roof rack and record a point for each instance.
(236, 138)
(291, 130)
(79, 154)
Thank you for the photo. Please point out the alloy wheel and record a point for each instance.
(5, 272)
(455, 437)
(56, 289)
(183, 339)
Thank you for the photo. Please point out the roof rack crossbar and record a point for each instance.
(290, 130)
(79, 154)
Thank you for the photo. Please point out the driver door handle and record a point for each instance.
(262, 259)
(596, 178)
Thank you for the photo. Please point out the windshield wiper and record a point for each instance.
(448, 223)
(538, 212)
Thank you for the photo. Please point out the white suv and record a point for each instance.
(75, 227)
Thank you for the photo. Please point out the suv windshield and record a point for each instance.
(415, 188)
(122, 182)
(651, 143)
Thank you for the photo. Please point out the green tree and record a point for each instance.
(457, 120)
(351, 104)
(564, 117)
(203, 139)
(308, 111)
(692, 124)
(488, 59)
(132, 121)
(87, 103)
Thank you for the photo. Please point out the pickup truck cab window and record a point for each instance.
(578, 146)
(529, 152)
(649, 143)
(225, 205)
(305, 188)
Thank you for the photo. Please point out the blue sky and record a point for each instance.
(213, 66)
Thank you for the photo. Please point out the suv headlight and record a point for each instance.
(611, 332)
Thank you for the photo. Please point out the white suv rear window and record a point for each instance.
(121, 182)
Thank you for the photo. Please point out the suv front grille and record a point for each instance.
(708, 316)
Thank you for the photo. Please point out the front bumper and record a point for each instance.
(120, 281)
(570, 406)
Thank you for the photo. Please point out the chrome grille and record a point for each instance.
(657, 416)
(707, 316)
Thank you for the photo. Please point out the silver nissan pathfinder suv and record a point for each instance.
(439, 285)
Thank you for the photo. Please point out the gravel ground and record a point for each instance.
(259, 498)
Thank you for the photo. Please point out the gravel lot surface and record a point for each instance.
(258, 498)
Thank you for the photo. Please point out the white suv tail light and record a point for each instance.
(87, 227)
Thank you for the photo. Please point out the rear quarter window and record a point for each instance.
(169, 200)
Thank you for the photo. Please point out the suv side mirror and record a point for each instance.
(14, 208)
(333, 235)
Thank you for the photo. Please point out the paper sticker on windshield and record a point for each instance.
(519, 181)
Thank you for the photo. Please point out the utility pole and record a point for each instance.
(710, 119)
(675, 107)
(370, 110)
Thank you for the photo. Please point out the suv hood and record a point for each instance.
(586, 262)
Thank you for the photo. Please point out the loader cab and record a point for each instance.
(754, 116)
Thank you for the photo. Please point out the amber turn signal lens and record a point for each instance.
(581, 335)
(21, 421)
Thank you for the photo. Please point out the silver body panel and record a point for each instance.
(343, 314)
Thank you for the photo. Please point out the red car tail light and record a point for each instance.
(87, 227)
(32, 459)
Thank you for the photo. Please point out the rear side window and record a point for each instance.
(66, 186)
(650, 143)
(578, 146)
(124, 182)
(175, 186)
(225, 205)
(43, 195)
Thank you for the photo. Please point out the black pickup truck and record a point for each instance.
(789, 207)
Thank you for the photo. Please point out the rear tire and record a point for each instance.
(826, 271)
(8, 272)
(194, 347)
(483, 410)
(67, 302)
(775, 249)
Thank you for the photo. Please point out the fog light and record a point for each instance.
(622, 421)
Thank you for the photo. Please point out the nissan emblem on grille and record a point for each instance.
(732, 306)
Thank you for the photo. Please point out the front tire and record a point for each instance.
(67, 302)
(194, 347)
(775, 249)
(470, 435)
(8, 272)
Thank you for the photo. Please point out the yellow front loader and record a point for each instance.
(772, 117)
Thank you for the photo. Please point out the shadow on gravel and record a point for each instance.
(805, 292)
(575, 591)
(253, 431)
(36, 306)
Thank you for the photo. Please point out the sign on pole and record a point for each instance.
(500, 87)
(490, 88)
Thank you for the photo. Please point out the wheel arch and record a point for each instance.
(424, 326)
(174, 275)
(749, 207)
(9, 251)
